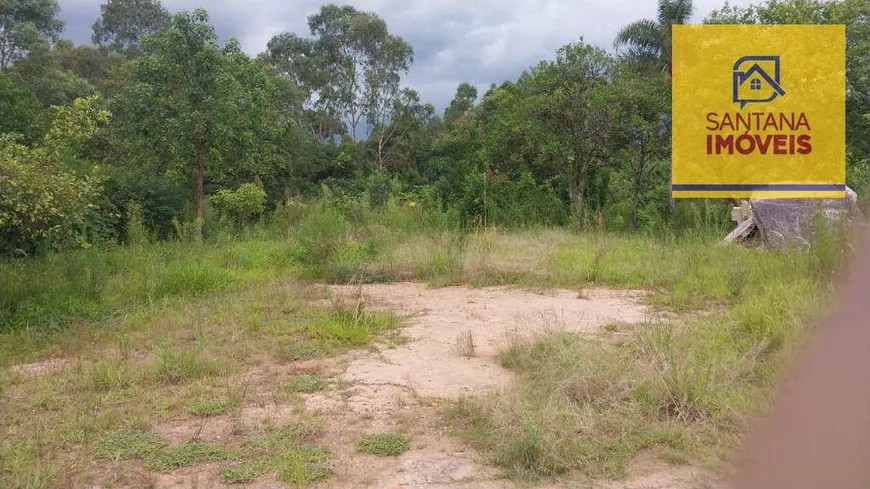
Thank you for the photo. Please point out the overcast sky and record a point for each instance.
(480, 41)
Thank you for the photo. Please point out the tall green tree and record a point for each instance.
(26, 25)
(395, 140)
(124, 23)
(22, 112)
(638, 107)
(647, 41)
(352, 64)
(179, 98)
(42, 73)
(204, 114)
(463, 101)
(575, 115)
(93, 64)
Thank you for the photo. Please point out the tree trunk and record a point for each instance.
(381, 145)
(635, 201)
(576, 193)
(638, 182)
(200, 177)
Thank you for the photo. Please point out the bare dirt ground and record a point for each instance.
(402, 388)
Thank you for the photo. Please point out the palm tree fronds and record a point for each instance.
(641, 36)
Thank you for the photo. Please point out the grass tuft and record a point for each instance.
(125, 445)
(303, 465)
(177, 365)
(185, 455)
(465, 344)
(308, 383)
(245, 472)
(385, 445)
(350, 325)
(212, 406)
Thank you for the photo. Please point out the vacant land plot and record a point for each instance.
(567, 360)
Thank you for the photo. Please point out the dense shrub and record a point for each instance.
(321, 233)
(44, 201)
(241, 204)
(496, 200)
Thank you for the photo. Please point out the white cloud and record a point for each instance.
(480, 41)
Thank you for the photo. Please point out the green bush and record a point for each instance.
(137, 233)
(241, 204)
(44, 202)
(385, 445)
(322, 232)
(496, 200)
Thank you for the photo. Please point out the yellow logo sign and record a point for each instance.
(759, 111)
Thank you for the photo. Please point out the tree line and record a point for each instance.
(160, 121)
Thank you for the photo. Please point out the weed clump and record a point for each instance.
(385, 445)
(154, 451)
(350, 325)
(582, 405)
(212, 406)
(308, 383)
(465, 344)
(175, 366)
(129, 444)
(186, 454)
(302, 465)
(321, 232)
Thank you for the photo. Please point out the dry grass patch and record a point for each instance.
(163, 366)
(580, 404)
(464, 345)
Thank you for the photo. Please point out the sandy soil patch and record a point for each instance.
(429, 363)
(399, 386)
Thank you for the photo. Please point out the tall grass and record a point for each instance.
(681, 388)
(345, 241)
(684, 388)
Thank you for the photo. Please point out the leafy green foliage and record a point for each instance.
(495, 200)
(43, 201)
(123, 23)
(352, 63)
(648, 42)
(581, 139)
(26, 25)
(186, 454)
(242, 204)
(462, 103)
(98, 66)
(222, 119)
(125, 445)
(322, 232)
(22, 111)
(50, 81)
(385, 445)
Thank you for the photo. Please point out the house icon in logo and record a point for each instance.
(756, 80)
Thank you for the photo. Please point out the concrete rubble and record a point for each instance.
(780, 223)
